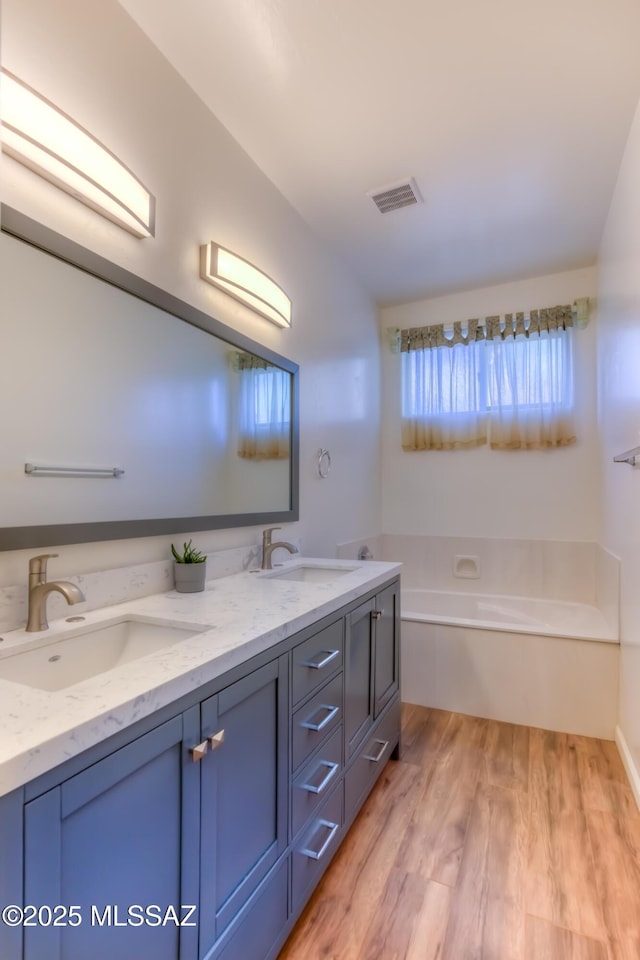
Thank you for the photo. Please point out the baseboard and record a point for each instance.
(632, 772)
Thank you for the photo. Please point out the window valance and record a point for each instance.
(548, 319)
(247, 361)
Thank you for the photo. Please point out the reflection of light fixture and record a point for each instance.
(240, 279)
(47, 141)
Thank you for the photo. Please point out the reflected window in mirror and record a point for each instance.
(264, 417)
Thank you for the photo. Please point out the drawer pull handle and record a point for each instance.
(333, 769)
(199, 751)
(317, 854)
(319, 664)
(308, 725)
(383, 746)
(216, 740)
(376, 614)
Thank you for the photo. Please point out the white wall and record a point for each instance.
(95, 63)
(528, 494)
(619, 420)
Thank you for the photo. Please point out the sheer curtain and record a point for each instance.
(265, 411)
(510, 378)
(443, 404)
(530, 383)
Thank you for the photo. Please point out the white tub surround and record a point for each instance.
(533, 639)
(543, 681)
(570, 570)
(351, 549)
(243, 615)
(529, 615)
(607, 600)
(545, 663)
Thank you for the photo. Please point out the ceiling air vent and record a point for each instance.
(397, 195)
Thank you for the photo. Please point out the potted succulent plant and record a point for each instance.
(190, 569)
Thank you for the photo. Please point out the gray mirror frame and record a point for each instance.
(17, 225)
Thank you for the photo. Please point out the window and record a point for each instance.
(512, 386)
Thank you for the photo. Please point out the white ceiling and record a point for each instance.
(512, 116)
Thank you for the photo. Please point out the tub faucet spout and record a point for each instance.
(39, 590)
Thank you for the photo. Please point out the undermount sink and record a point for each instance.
(90, 651)
(311, 574)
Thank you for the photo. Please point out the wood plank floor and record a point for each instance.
(487, 841)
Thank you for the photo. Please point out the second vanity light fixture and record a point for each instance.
(43, 138)
(246, 283)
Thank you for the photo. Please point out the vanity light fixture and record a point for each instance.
(37, 134)
(241, 280)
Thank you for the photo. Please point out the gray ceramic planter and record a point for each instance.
(190, 577)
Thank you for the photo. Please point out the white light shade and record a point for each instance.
(37, 134)
(240, 279)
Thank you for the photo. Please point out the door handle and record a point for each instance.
(328, 777)
(319, 664)
(308, 725)
(383, 746)
(199, 751)
(317, 854)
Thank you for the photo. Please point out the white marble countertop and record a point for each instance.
(242, 615)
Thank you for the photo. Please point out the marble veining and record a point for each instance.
(245, 613)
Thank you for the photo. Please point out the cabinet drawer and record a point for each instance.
(371, 760)
(316, 780)
(316, 846)
(316, 719)
(316, 659)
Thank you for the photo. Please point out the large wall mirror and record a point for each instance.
(140, 414)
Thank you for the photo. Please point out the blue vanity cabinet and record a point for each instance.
(244, 787)
(114, 838)
(232, 801)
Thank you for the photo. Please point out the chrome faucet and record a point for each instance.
(40, 588)
(268, 547)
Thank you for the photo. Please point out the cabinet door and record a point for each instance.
(113, 837)
(358, 710)
(11, 869)
(244, 794)
(386, 647)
